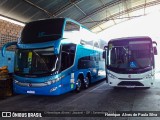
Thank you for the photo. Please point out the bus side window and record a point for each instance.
(71, 26)
(67, 56)
(71, 29)
(64, 60)
(84, 62)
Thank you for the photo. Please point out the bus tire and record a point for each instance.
(78, 85)
(87, 81)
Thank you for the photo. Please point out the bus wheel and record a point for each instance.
(78, 85)
(87, 82)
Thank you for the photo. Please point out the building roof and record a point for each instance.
(97, 15)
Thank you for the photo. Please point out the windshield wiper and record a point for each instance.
(41, 60)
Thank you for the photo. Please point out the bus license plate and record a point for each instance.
(130, 86)
(31, 92)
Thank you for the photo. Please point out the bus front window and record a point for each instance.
(36, 61)
(118, 57)
(140, 55)
(131, 56)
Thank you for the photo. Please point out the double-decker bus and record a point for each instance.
(130, 62)
(55, 56)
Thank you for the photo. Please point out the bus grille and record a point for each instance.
(130, 83)
(130, 78)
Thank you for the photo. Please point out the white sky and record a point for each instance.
(143, 26)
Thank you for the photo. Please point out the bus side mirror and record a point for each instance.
(154, 42)
(104, 52)
(155, 50)
(7, 45)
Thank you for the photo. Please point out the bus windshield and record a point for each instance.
(36, 61)
(42, 31)
(132, 55)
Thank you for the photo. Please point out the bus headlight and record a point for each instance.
(112, 76)
(15, 81)
(53, 81)
(148, 76)
(48, 82)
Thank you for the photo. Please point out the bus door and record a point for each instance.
(94, 65)
(67, 61)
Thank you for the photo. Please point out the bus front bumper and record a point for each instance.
(45, 90)
(131, 83)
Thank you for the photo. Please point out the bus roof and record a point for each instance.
(60, 18)
(131, 38)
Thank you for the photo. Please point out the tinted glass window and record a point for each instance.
(136, 54)
(67, 56)
(87, 62)
(71, 31)
(70, 26)
(42, 31)
(36, 61)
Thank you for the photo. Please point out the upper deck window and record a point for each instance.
(71, 26)
(71, 31)
(42, 31)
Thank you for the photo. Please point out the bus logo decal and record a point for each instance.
(30, 85)
(129, 76)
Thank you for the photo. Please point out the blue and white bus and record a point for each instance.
(55, 56)
(130, 62)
